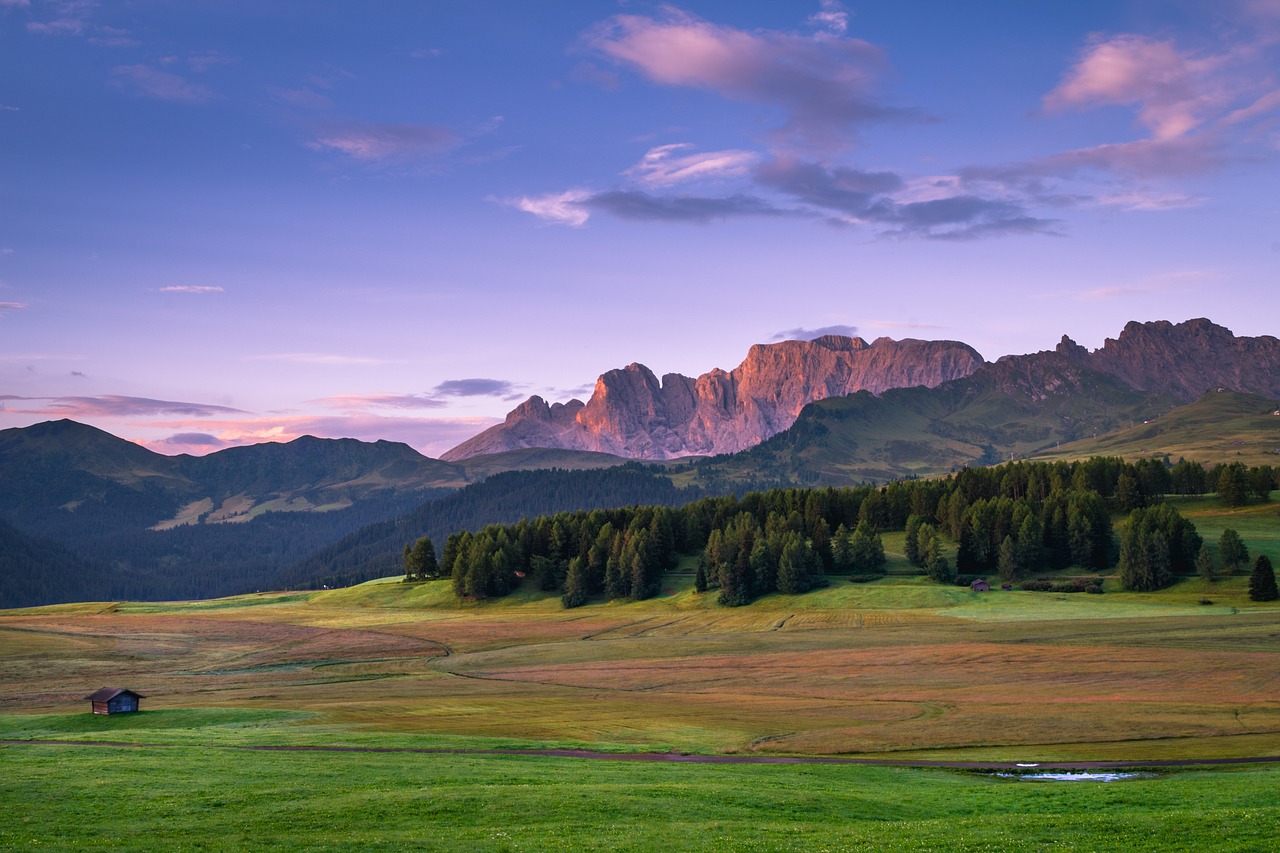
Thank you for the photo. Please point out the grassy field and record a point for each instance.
(206, 798)
(897, 668)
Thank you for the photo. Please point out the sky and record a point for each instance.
(227, 222)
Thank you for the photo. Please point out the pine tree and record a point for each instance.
(1232, 550)
(1204, 563)
(575, 584)
(1007, 564)
(1262, 583)
(866, 549)
(910, 547)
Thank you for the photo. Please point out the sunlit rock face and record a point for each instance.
(632, 413)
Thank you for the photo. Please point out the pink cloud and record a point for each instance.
(359, 402)
(115, 406)
(431, 436)
(162, 85)
(373, 142)
(664, 167)
(1171, 90)
(822, 82)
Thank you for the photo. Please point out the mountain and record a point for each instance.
(505, 498)
(633, 414)
(1221, 426)
(1012, 407)
(182, 526)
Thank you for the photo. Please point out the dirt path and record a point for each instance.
(685, 758)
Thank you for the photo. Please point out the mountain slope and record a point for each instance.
(633, 414)
(1012, 407)
(1222, 426)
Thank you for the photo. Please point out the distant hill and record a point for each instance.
(155, 526)
(1222, 426)
(375, 551)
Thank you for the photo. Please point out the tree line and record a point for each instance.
(1014, 519)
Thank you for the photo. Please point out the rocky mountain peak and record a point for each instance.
(631, 413)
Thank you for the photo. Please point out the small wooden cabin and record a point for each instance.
(980, 586)
(114, 700)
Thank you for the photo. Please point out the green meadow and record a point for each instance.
(895, 669)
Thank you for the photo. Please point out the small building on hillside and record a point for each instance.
(114, 700)
(980, 586)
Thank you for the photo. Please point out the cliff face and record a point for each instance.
(631, 413)
(1188, 359)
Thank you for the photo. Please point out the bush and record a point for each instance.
(1094, 589)
(864, 578)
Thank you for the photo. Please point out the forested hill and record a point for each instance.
(375, 551)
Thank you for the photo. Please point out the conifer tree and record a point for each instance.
(1232, 550)
(1262, 583)
(1204, 563)
(575, 584)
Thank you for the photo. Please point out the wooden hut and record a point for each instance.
(980, 586)
(114, 700)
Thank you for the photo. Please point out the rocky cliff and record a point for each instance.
(631, 413)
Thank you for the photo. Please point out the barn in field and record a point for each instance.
(114, 700)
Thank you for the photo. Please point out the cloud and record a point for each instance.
(802, 334)
(476, 388)
(1166, 86)
(636, 205)
(431, 436)
(200, 440)
(838, 189)
(78, 373)
(374, 142)
(192, 288)
(832, 18)
(822, 82)
(162, 85)
(564, 208)
(320, 358)
(660, 167)
(11, 306)
(114, 406)
(358, 402)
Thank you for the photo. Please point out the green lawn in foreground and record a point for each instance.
(64, 797)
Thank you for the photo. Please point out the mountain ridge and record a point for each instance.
(633, 414)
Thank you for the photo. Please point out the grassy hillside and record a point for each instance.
(1225, 426)
(898, 668)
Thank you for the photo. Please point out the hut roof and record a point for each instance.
(106, 694)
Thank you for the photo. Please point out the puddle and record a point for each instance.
(1082, 776)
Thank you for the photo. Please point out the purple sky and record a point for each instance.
(225, 222)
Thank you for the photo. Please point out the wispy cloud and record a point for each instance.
(832, 17)
(151, 82)
(114, 406)
(823, 83)
(320, 358)
(192, 288)
(377, 142)
(6, 307)
(359, 402)
(664, 166)
(802, 334)
(431, 436)
(564, 208)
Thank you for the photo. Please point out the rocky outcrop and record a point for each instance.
(631, 413)
(1188, 359)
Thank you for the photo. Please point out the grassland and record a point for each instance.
(896, 668)
(1226, 426)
